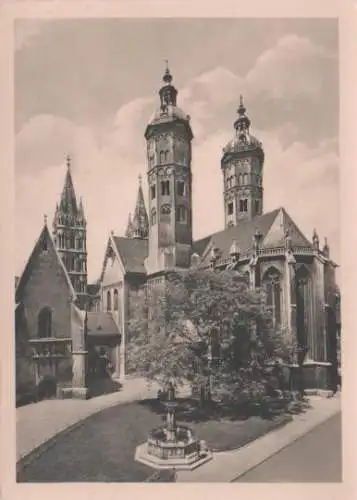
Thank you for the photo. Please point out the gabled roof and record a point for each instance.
(132, 252)
(272, 226)
(44, 238)
(101, 323)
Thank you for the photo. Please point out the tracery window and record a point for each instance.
(272, 285)
(243, 205)
(230, 208)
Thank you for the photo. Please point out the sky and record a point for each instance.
(88, 88)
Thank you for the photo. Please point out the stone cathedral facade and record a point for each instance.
(269, 248)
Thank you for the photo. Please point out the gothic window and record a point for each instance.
(180, 188)
(45, 323)
(116, 300)
(272, 285)
(167, 156)
(151, 160)
(245, 179)
(162, 156)
(303, 299)
(181, 214)
(257, 206)
(153, 192)
(230, 208)
(109, 301)
(153, 217)
(165, 188)
(243, 205)
(240, 179)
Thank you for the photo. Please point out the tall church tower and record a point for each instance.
(242, 168)
(169, 137)
(69, 233)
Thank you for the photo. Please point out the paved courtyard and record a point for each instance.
(315, 457)
(39, 422)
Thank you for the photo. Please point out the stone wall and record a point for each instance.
(47, 287)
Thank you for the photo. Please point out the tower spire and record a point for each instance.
(168, 93)
(242, 123)
(140, 224)
(129, 227)
(69, 233)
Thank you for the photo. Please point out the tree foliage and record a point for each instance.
(200, 324)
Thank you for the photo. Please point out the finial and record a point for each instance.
(167, 75)
(68, 161)
(45, 220)
(241, 109)
(140, 179)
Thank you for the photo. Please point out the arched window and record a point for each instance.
(109, 301)
(272, 285)
(181, 214)
(153, 216)
(167, 156)
(162, 156)
(245, 179)
(165, 188)
(116, 300)
(303, 304)
(45, 323)
(240, 179)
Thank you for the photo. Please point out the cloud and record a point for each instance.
(294, 66)
(299, 174)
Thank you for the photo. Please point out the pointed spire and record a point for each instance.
(45, 220)
(68, 203)
(167, 93)
(129, 227)
(242, 123)
(140, 222)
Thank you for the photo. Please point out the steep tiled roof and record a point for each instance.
(132, 252)
(101, 323)
(243, 234)
(271, 225)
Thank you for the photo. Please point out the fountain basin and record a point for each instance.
(183, 452)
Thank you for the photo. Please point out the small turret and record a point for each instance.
(315, 241)
(326, 249)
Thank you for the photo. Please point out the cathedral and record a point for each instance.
(64, 323)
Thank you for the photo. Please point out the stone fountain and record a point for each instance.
(171, 445)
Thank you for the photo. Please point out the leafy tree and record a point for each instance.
(209, 329)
